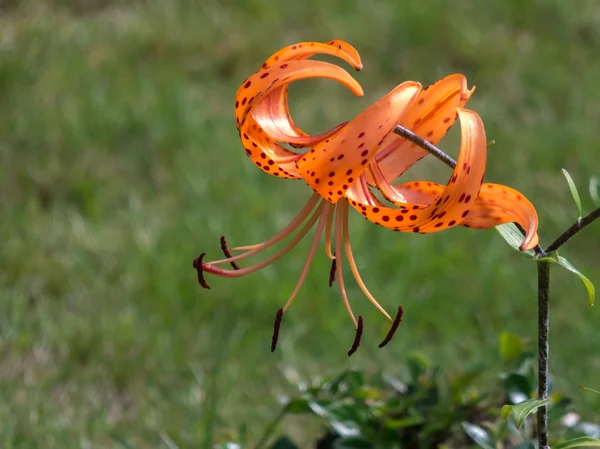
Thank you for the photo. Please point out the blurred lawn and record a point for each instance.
(120, 162)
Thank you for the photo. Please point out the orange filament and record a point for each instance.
(291, 227)
(311, 253)
(352, 263)
(339, 217)
(328, 229)
(211, 268)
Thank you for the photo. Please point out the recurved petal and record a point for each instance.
(285, 130)
(430, 117)
(304, 50)
(341, 159)
(447, 208)
(498, 204)
(266, 81)
(267, 154)
(262, 148)
(273, 116)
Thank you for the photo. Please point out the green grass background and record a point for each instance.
(120, 162)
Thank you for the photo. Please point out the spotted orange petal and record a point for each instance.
(451, 205)
(499, 204)
(264, 151)
(334, 164)
(496, 204)
(430, 117)
(304, 50)
(273, 115)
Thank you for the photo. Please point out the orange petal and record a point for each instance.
(341, 159)
(447, 208)
(284, 129)
(273, 117)
(267, 154)
(266, 81)
(498, 204)
(264, 151)
(305, 50)
(430, 117)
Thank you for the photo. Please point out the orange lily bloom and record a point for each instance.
(341, 165)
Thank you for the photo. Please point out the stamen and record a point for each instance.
(245, 248)
(332, 272)
(198, 267)
(311, 253)
(225, 250)
(291, 227)
(394, 327)
(276, 326)
(210, 268)
(357, 337)
(328, 234)
(338, 271)
(346, 236)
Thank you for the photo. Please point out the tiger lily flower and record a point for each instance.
(345, 163)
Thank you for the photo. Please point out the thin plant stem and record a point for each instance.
(543, 270)
(429, 147)
(573, 230)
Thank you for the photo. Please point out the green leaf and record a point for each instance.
(297, 406)
(522, 410)
(417, 365)
(339, 417)
(284, 443)
(588, 284)
(514, 237)
(578, 442)
(517, 387)
(595, 190)
(406, 422)
(574, 192)
(511, 346)
(479, 435)
(351, 443)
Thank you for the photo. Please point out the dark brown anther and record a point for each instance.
(227, 253)
(198, 267)
(332, 272)
(276, 326)
(357, 337)
(394, 327)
